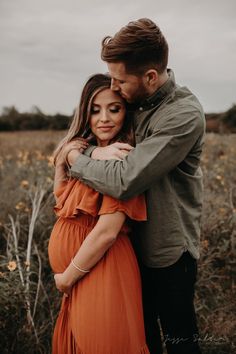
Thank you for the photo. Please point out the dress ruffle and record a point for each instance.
(74, 197)
(134, 208)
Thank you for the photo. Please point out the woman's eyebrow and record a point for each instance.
(115, 102)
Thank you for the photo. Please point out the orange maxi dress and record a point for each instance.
(103, 313)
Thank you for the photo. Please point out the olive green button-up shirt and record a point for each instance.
(169, 130)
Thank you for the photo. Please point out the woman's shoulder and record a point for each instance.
(73, 197)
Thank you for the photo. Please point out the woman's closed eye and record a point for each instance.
(112, 109)
(115, 109)
(94, 110)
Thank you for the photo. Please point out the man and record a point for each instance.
(169, 129)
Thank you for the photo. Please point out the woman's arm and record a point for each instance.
(60, 176)
(98, 241)
(62, 166)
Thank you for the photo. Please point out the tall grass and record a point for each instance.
(29, 301)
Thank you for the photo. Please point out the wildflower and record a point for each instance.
(24, 183)
(50, 161)
(205, 244)
(39, 155)
(20, 154)
(20, 206)
(49, 180)
(222, 210)
(2, 275)
(11, 266)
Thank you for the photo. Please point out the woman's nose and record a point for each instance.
(104, 117)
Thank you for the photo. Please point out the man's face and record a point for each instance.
(131, 87)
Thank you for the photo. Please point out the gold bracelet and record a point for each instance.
(78, 268)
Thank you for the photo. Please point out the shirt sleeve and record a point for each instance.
(89, 150)
(167, 146)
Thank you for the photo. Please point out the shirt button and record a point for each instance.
(141, 109)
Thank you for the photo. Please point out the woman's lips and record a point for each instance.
(105, 128)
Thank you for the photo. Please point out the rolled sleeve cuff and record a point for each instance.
(76, 169)
(89, 150)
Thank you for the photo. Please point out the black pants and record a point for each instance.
(168, 294)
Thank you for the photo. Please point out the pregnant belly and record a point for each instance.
(65, 240)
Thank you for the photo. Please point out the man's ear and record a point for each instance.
(151, 76)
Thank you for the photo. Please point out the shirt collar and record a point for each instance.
(157, 97)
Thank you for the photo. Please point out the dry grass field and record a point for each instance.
(28, 299)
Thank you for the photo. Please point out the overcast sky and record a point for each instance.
(48, 48)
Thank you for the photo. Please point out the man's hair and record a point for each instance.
(140, 46)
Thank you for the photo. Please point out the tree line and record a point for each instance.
(11, 119)
(222, 122)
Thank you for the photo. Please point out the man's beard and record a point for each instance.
(140, 95)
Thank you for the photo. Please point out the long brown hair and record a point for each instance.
(140, 46)
(80, 124)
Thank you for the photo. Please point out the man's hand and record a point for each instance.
(116, 151)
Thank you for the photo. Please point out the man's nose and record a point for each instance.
(114, 86)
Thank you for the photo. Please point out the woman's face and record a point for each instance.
(107, 116)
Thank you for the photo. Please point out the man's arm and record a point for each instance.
(158, 154)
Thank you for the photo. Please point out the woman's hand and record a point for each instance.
(78, 144)
(62, 284)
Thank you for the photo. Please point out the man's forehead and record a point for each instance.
(116, 68)
(118, 72)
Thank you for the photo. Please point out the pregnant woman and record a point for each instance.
(89, 249)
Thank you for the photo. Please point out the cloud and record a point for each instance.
(49, 48)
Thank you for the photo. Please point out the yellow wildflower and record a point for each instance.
(24, 183)
(20, 206)
(49, 180)
(205, 244)
(50, 160)
(222, 210)
(12, 266)
(39, 155)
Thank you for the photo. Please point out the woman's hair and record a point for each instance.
(80, 124)
(140, 46)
